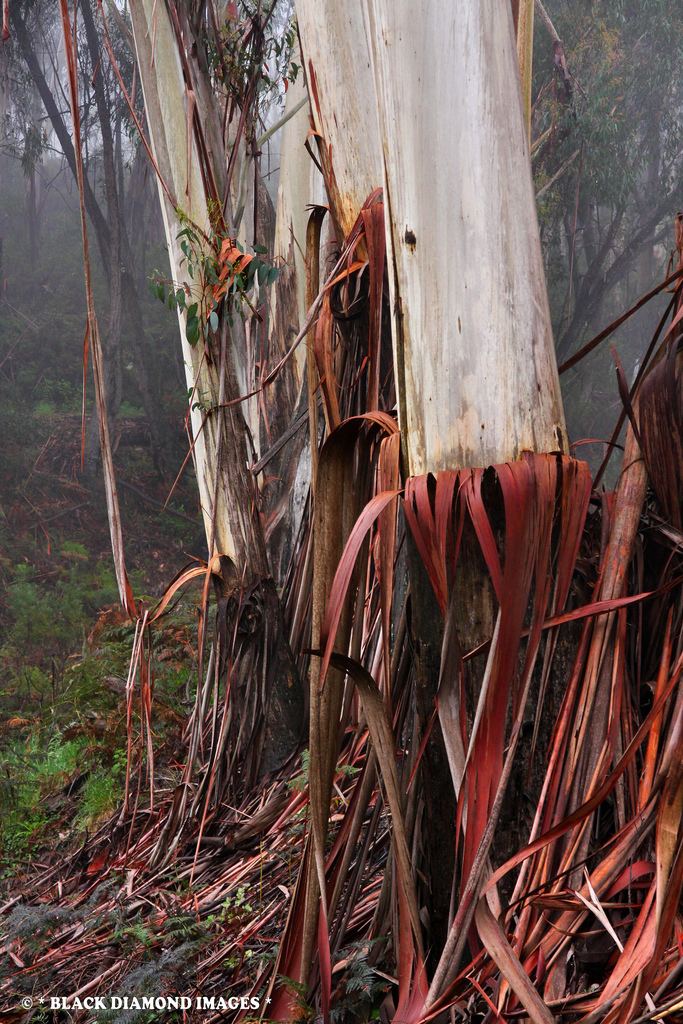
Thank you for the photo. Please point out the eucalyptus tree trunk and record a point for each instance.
(190, 149)
(474, 358)
(429, 106)
(473, 347)
(221, 443)
(474, 355)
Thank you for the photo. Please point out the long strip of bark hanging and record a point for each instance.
(113, 510)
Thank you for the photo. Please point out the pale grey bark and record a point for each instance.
(474, 355)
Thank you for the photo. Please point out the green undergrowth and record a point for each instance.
(63, 738)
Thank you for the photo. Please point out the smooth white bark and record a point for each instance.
(176, 157)
(474, 356)
(340, 85)
(174, 147)
(299, 184)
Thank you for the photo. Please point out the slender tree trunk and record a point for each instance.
(98, 220)
(523, 18)
(32, 216)
(112, 342)
(121, 282)
(103, 232)
(184, 125)
(227, 494)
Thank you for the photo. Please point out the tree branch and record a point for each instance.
(545, 18)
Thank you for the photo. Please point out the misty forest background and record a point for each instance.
(607, 150)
